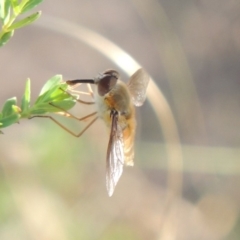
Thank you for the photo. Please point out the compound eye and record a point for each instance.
(106, 83)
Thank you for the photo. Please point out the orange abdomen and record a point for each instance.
(128, 140)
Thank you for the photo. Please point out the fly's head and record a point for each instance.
(106, 81)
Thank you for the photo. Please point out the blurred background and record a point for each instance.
(185, 183)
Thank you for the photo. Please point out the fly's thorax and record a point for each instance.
(118, 99)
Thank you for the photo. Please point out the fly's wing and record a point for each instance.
(137, 86)
(115, 155)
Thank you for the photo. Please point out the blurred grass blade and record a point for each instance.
(5, 37)
(26, 21)
(30, 5)
(26, 98)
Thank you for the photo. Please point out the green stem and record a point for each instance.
(8, 24)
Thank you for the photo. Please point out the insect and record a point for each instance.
(115, 105)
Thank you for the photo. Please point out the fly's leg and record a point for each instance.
(65, 128)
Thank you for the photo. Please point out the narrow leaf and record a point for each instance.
(53, 81)
(48, 89)
(7, 107)
(65, 104)
(30, 5)
(9, 120)
(4, 10)
(15, 6)
(24, 22)
(26, 98)
(16, 109)
(46, 97)
(53, 92)
(5, 37)
(43, 108)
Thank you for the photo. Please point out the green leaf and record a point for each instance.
(46, 97)
(5, 37)
(53, 92)
(15, 6)
(24, 22)
(49, 89)
(53, 81)
(63, 101)
(7, 107)
(57, 93)
(9, 120)
(30, 5)
(5, 10)
(16, 109)
(10, 113)
(65, 104)
(43, 108)
(26, 98)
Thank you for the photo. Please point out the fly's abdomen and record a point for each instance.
(128, 139)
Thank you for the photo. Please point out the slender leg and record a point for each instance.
(84, 102)
(78, 100)
(67, 114)
(90, 90)
(65, 128)
(80, 92)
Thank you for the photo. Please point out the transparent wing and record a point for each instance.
(137, 86)
(115, 155)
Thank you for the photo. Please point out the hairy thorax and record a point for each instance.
(118, 99)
